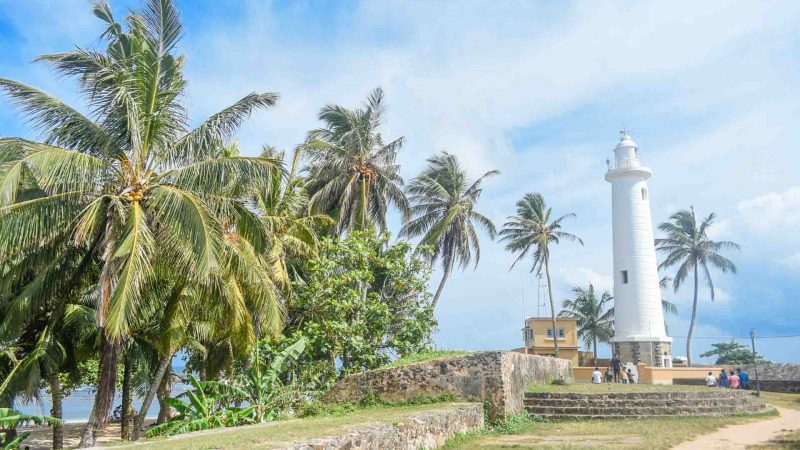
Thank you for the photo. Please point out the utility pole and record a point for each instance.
(755, 361)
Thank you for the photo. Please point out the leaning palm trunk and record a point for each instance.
(165, 412)
(151, 394)
(439, 290)
(55, 394)
(552, 305)
(595, 350)
(105, 392)
(692, 322)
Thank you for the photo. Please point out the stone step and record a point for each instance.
(642, 411)
(711, 393)
(721, 401)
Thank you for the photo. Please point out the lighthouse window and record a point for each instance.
(624, 277)
(644, 194)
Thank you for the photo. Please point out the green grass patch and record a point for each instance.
(425, 356)
(282, 433)
(339, 409)
(782, 399)
(662, 433)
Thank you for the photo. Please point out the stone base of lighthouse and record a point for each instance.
(657, 353)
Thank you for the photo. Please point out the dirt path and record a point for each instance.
(740, 436)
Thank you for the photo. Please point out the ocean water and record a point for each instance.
(78, 405)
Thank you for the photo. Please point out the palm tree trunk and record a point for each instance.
(552, 305)
(445, 276)
(363, 203)
(57, 410)
(125, 425)
(151, 393)
(692, 322)
(104, 396)
(165, 392)
(595, 351)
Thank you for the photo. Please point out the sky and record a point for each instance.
(537, 90)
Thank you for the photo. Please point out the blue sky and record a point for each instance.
(538, 90)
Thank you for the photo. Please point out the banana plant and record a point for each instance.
(263, 391)
(11, 419)
(205, 408)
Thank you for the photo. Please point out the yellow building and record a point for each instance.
(538, 335)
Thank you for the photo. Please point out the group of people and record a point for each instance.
(733, 380)
(614, 373)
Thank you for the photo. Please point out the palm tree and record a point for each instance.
(353, 174)
(130, 182)
(688, 246)
(283, 207)
(595, 322)
(444, 214)
(532, 229)
(669, 308)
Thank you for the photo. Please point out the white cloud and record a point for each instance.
(792, 261)
(775, 211)
(703, 85)
(582, 276)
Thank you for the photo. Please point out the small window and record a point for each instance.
(550, 333)
(644, 194)
(624, 277)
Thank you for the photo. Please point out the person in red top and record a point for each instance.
(733, 380)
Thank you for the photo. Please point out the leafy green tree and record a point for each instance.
(688, 247)
(444, 214)
(733, 353)
(353, 174)
(595, 318)
(532, 229)
(130, 182)
(348, 330)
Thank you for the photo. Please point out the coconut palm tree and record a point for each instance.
(688, 247)
(353, 174)
(669, 308)
(595, 322)
(130, 181)
(533, 229)
(444, 214)
(282, 204)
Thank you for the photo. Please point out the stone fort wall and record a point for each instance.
(497, 378)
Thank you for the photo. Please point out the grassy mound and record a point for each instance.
(425, 356)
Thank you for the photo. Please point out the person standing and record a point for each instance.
(723, 379)
(733, 380)
(744, 379)
(631, 377)
(609, 374)
(597, 376)
(710, 380)
(616, 365)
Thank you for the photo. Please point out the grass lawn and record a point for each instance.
(281, 433)
(425, 356)
(649, 434)
(661, 433)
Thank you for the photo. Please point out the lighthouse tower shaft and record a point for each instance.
(639, 331)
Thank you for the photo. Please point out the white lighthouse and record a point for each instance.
(639, 331)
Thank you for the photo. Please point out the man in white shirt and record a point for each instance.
(710, 380)
(597, 376)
